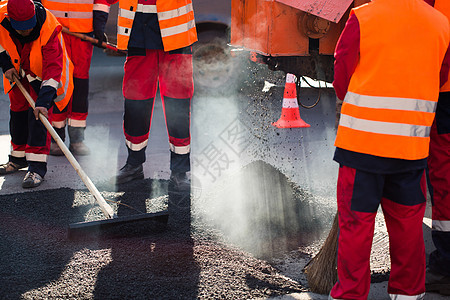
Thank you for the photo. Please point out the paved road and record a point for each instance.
(234, 145)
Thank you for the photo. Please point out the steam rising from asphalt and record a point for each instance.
(259, 210)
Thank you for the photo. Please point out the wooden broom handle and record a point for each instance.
(106, 208)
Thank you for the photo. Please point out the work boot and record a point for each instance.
(437, 283)
(32, 180)
(55, 150)
(10, 167)
(79, 149)
(76, 136)
(128, 173)
(179, 181)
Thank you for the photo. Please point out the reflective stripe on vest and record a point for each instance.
(444, 7)
(65, 86)
(176, 22)
(76, 15)
(147, 9)
(392, 95)
(127, 11)
(413, 120)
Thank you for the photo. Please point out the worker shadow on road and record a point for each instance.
(156, 265)
(34, 249)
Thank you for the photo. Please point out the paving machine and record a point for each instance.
(293, 36)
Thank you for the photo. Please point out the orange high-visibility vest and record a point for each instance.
(76, 15)
(444, 7)
(391, 99)
(175, 17)
(64, 87)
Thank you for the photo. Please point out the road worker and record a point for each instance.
(32, 48)
(158, 36)
(87, 17)
(438, 272)
(388, 61)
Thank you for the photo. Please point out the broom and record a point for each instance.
(321, 271)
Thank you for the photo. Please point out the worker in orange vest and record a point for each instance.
(32, 49)
(387, 70)
(158, 36)
(438, 271)
(87, 17)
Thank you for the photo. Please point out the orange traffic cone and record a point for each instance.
(290, 113)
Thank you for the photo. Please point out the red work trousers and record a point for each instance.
(439, 175)
(174, 72)
(30, 139)
(402, 198)
(76, 112)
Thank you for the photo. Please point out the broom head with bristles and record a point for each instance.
(321, 271)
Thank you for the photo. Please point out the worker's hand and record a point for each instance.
(41, 110)
(101, 37)
(9, 74)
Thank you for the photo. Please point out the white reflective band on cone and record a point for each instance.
(290, 103)
(290, 78)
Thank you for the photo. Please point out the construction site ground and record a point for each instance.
(261, 203)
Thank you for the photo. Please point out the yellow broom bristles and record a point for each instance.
(321, 271)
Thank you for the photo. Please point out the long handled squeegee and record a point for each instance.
(81, 228)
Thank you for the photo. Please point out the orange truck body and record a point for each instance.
(289, 28)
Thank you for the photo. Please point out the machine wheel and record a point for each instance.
(214, 67)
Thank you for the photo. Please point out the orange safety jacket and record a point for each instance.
(76, 15)
(175, 17)
(64, 88)
(444, 7)
(392, 96)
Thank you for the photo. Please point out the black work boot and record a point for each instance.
(79, 149)
(55, 150)
(179, 181)
(76, 136)
(128, 173)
